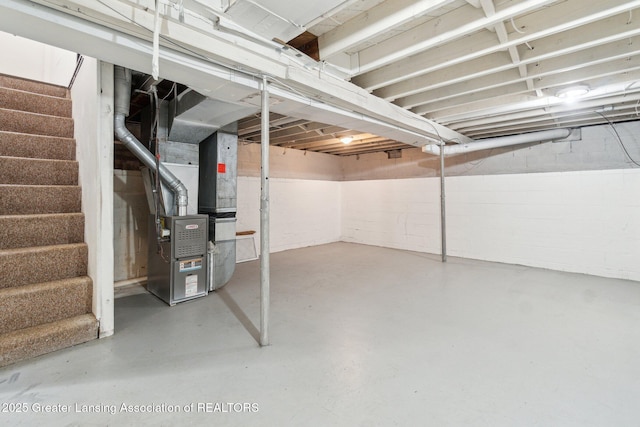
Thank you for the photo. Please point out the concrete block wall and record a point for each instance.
(585, 222)
(288, 163)
(597, 150)
(573, 221)
(303, 212)
(395, 213)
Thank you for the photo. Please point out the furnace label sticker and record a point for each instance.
(190, 265)
(191, 286)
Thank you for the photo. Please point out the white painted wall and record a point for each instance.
(289, 163)
(303, 212)
(36, 61)
(586, 222)
(92, 97)
(395, 213)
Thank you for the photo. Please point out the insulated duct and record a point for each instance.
(122, 95)
(505, 141)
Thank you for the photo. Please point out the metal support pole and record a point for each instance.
(264, 219)
(443, 222)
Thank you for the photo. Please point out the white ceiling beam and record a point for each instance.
(510, 111)
(454, 25)
(463, 88)
(563, 25)
(486, 65)
(558, 112)
(491, 108)
(594, 119)
(544, 120)
(379, 19)
(450, 54)
(515, 93)
(546, 74)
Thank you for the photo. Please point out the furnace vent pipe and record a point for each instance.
(504, 141)
(122, 95)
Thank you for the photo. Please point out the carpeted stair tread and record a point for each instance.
(38, 340)
(32, 305)
(25, 266)
(13, 82)
(15, 99)
(39, 199)
(22, 170)
(23, 231)
(38, 124)
(14, 144)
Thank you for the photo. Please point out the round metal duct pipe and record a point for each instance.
(122, 95)
(504, 141)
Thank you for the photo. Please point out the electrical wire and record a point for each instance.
(626, 152)
(515, 27)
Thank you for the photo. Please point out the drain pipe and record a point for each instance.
(505, 141)
(122, 94)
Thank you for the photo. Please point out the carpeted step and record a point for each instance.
(38, 340)
(39, 124)
(22, 170)
(39, 199)
(32, 305)
(27, 85)
(23, 231)
(14, 99)
(25, 266)
(37, 146)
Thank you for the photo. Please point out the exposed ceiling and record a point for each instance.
(482, 67)
(454, 69)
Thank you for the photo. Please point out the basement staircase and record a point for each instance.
(45, 293)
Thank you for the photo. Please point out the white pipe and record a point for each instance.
(155, 61)
(264, 219)
(504, 141)
(122, 95)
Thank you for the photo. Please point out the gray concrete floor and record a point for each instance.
(361, 336)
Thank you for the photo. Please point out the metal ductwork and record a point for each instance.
(122, 95)
(217, 198)
(505, 141)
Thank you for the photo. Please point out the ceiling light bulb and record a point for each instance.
(573, 92)
(346, 139)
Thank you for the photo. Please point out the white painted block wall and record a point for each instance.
(395, 213)
(586, 222)
(303, 212)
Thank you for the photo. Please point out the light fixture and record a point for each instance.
(346, 139)
(572, 92)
